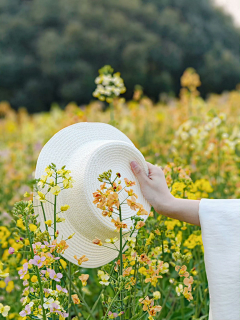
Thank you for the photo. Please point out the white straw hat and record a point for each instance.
(88, 149)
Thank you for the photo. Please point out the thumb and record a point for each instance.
(139, 172)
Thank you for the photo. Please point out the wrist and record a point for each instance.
(186, 210)
(167, 206)
(180, 209)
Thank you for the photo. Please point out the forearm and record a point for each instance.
(183, 210)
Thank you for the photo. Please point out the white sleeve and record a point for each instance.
(220, 225)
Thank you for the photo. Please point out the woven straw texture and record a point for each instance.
(88, 149)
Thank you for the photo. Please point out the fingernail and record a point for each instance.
(134, 164)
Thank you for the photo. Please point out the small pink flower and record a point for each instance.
(11, 250)
(112, 315)
(59, 288)
(54, 276)
(37, 261)
(54, 307)
(23, 271)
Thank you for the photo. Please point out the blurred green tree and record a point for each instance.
(50, 51)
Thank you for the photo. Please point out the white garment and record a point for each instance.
(220, 225)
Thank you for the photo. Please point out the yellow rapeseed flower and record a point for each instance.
(34, 278)
(41, 197)
(48, 223)
(32, 227)
(63, 263)
(55, 190)
(10, 286)
(20, 224)
(65, 207)
(26, 194)
(4, 310)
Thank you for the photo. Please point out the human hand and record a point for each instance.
(154, 187)
(155, 190)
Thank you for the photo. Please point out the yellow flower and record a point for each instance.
(15, 316)
(84, 278)
(4, 244)
(150, 238)
(51, 182)
(26, 277)
(49, 171)
(75, 299)
(48, 223)
(2, 284)
(140, 224)
(179, 289)
(41, 197)
(63, 263)
(55, 190)
(156, 295)
(5, 256)
(193, 241)
(65, 207)
(10, 286)
(111, 240)
(172, 223)
(34, 278)
(104, 278)
(70, 237)
(20, 224)
(26, 242)
(32, 227)
(67, 183)
(178, 189)
(58, 219)
(4, 309)
(97, 241)
(142, 270)
(26, 194)
(81, 259)
(42, 181)
(3, 274)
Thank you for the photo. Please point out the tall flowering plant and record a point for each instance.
(48, 287)
(129, 282)
(109, 86)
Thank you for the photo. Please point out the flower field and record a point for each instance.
(162, 274)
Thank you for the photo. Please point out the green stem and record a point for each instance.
(96, 302)
(55, 210)
(69, 291)
(165, 300)
(171, 310)
(109, 307)
(162, 244)
(203, 300)
(111, 112)
(141, 316)
(79, 295)
(36, 268)
(121, 259)
(135, 287)
(44, 215)
(182, 307)
(55, 229)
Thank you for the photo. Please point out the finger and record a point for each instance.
(152, 168)
(139, 172)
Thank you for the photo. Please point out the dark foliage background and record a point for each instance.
(50, 50)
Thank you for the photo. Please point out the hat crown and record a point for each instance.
(86, 163)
